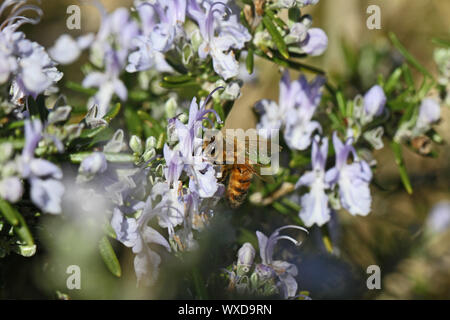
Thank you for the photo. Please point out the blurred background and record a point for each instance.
(414, 260)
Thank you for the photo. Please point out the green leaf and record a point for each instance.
(79, 88)
(441, 42)
(341, 103)
(111, 157)
(292, 64)
(408, 56)
(109, 257)
(112, 113)
(396, 148)
(276, 36)
(393, 80)
(249, 61)
(20, 227)
(277, 20)
(8, 212)
(178, 79)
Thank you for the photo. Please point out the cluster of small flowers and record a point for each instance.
(26, 70)
(270, 277)
(179, 195)
(25, 66)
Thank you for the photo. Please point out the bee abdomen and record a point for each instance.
(238, 186)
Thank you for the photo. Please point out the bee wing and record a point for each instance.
(256, 171)
(260, 150)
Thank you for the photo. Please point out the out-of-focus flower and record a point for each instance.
(137, 234)
(315, 209)
(66, 49)
(44, 176)
(429, 113)
(11, 189)
(439, 218)
(108, 83)
(92, 165)
(374, 102)
(110, 50)
(24, 62)
(298, 102)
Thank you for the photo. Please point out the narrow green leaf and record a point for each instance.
(111, 157)
(79, 88)
(407, 75)
(277, 20)
(341, 103)
(8, 212)
(393, 80)
(170, 85)
(112, 113)
(396, 148)
(276, 36)
(178, 79)
(408, 56)
(441, 42)
(13, 217)
(292, 64)
(109, 257)
(249, 61)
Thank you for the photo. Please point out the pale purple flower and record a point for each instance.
(299, 123)
(107, 82)
(24, 62)
(137, 234)
(93, 164)
(439, 218)
(219, 36)
(316, 42)
(374, 102)
(429, 113)
(246, 255)
(298, 101)
(171, 18)
(285, 271)
(67, 49)
(353, 179)
(44, 176)
(201, 173)
(172, 212)
(11, 189)
(315, 209)
(174, 165)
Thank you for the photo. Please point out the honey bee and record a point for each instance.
(239, 163)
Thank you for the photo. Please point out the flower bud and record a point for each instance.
(150, 143)
(374, 101)
(246, 255)
(297, 33)
(316, 42)
(171, 107)
(148, 154)
(95, 163)
(136, 145)
(11, 189)
(429, 112)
